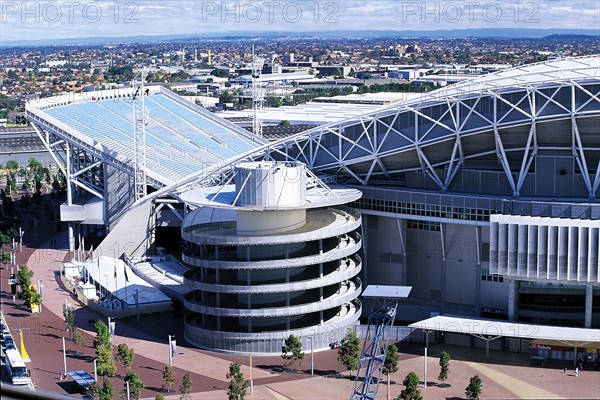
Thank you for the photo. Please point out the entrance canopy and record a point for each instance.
(488, 329)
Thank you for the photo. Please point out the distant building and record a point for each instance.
(288, 58)
(271, 69)
(334, 70)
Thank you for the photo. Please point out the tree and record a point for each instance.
(444, 366)
(69, 315)
(284, 122)
(104, 358)
(78, 339)
(168, 377)
(390, 364)
(135, 386)
(108, 392)
(105, 362)
(349, 351)
(24, 281)
(95, 391)
(292, 351)
(473, 391)
(238, 386)
(34, 297)
(12, 165)
(221, 73)
(186, 387)
(411, 388)
(391, 360)
(34, 164)
(159, 397)
(125, 355)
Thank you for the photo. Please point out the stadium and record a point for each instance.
(482, 196)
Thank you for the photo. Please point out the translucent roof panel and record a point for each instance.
(181, 138)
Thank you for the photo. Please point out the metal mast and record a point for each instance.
(381, 318)
(257, 94)
(140, 120)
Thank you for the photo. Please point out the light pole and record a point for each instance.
(21, 233)
(40, 293)
(110, 329)
(170, 352)
(312, 358)
(64, 356)
(251, 381)
(425, 367)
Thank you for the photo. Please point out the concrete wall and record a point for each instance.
(423, 270)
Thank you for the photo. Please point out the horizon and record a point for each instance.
(480, 33)
(68, 21)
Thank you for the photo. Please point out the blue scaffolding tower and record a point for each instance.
(381, 318)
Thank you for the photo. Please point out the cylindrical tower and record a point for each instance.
(273, 255)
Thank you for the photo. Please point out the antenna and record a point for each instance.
(140, 117)
(257, 94)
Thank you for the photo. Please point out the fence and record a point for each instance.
(395, 333)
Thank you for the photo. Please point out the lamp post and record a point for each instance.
(170, 351)
(312, 358)
(39, 287)
(425, 367)
(21, 233)
(110, 329)
(64, 356)
(251, 381)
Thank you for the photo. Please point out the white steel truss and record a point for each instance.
(429, 133)
(140, 120)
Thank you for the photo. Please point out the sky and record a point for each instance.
(36, 20)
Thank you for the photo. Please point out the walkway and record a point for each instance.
(505, 375)
(522, 390)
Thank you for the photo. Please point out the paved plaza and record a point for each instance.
(504, 375)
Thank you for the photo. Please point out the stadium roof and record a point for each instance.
(348, 145)
(437, 131)
(313, 113)
(181, 138)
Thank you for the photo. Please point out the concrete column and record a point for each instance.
(478, 272)
(68, 168)
(513, 295)
(589, 297)
(443, 268)
(402, 233)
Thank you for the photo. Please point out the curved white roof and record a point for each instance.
(225, 197)
(181, 138)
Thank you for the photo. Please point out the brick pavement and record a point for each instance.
(504, 375)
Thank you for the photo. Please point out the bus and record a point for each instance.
(16, 367)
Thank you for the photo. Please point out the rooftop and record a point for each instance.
(180, 136)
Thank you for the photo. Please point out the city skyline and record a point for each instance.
(56, 20)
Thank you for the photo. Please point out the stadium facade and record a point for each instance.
(482, 196)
